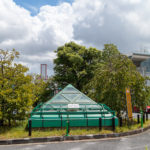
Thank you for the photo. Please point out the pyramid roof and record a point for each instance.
(70, 95)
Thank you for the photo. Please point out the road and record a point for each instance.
(135, 142)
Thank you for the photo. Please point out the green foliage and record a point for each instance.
(114, 73)
(42, 90)
(75, 64)
(16, 95)
(107, 73)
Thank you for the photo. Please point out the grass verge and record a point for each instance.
(21, 132)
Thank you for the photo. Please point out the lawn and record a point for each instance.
(20, 131)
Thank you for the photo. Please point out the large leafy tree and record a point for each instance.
(16, 95)
(75, 64)
(114, 73)
(43, 90)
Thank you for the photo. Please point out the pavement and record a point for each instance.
(134, 142)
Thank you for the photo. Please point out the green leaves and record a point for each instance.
(42, 90)
(16, 97)
(75, 64)
(104, 75)
(113, 74)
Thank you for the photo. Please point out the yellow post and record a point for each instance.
(129, 104)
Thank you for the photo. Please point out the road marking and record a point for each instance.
(91, 143)
(28, 148)
(123, 139)
(137, 147)
(76, 148)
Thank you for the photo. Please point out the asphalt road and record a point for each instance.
(135, 142)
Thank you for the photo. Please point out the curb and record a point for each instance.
(70, 138)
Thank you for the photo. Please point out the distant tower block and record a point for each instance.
(44, 71)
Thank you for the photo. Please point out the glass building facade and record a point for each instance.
(144, 69)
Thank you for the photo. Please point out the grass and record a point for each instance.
(21, 132)
(146, 148)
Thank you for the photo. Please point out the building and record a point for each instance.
(142, 62)
(138, 58)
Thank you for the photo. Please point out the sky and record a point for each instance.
(34, 5)
(36, 28)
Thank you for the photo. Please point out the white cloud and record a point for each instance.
(92, 23)
(131, 1)
(124, 23)
(36, 37)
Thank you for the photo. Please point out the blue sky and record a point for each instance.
(34, 5)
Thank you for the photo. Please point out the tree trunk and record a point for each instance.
(3, 101)
(1, 122)
(9, 121)
(78, 86)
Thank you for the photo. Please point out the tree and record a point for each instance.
(49, 91)
(16, 95)
(114, 73)
(75, 64)
(43, 90)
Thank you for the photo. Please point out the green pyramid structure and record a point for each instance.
(74, 105)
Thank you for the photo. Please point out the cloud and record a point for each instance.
(123, 23)
(36, 37)
(92, 23)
